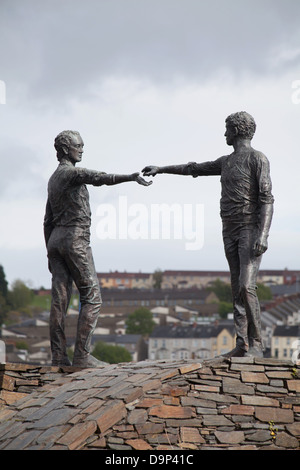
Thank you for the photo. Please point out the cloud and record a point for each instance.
(144, 82)
(57, 49)
(20, 172)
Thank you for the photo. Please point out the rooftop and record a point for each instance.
(190, 331)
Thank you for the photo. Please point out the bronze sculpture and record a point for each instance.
(246, 212)
(67, 235)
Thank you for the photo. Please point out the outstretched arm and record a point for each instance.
(99, 178)
(190, 169)
(172, 169)
(117, 179)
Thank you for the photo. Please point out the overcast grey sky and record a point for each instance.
(145, 82)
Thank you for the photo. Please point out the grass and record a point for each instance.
(44, 302)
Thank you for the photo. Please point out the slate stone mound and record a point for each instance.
(235, 404)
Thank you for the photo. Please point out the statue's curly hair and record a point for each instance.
(243, 122)
(63, 138)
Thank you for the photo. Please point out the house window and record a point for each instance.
(183, 355)
(225, 340)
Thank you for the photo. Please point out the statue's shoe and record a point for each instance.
(88, 362)
(235, 352)
(254, 352)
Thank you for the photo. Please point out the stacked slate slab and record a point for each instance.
(234, 404)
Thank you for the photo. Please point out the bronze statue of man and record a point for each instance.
(246, 212)
(67, 235)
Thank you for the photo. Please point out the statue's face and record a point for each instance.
(76, 149)
(230, 134)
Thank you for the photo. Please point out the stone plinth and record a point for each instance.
(18, 380)
(237, 404)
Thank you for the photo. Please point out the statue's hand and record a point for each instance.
(136, 177)
(260, 246)
(150, 170)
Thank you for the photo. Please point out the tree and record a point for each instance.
(20, 295)
(22, 345)
(140, 322)
(110, 353)
(3, 284)
(4, 307)
(157, 278)
(264, 292)
(225, 308)
(222, 290)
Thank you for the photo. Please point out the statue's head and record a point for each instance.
(64, 141)
(242, 124)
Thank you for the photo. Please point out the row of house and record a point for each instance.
(29, 341)
(166, 306)
(181, 279)
(181, 332)
(280, 320)
(173, 341)
(202, 342)
(286, 342)
(202, 301)
(176, 341)
(125, 280)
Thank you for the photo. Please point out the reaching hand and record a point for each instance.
(150, 170)
(140, 180)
